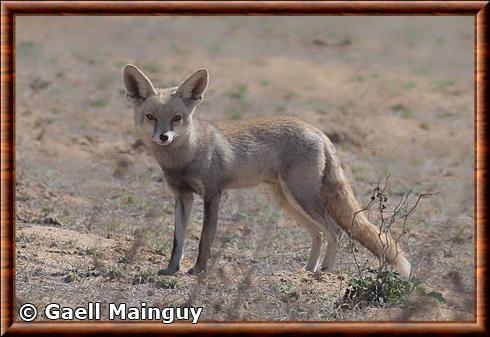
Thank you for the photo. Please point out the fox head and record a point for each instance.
(163, 115)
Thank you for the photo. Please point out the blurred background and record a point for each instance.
(95, 219)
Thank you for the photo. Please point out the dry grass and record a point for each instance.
(94, 217)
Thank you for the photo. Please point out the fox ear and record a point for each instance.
(194, 86)
(136, 83)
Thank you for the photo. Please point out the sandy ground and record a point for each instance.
(94, 218)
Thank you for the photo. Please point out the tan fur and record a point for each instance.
(343, 207)
(297, 160)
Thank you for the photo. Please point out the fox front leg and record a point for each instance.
(183, 207)
(211, 206)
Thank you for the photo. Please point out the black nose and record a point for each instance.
(163, 137)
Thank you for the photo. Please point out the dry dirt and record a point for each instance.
(94, 218)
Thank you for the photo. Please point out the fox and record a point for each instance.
(296, 160)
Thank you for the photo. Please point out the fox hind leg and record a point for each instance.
(333, 242)
(315, 233)
(305, 197)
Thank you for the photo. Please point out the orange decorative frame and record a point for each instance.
(11, 9)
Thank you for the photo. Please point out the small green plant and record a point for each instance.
(422, 291)
(302, 257)
(359, 78)
(99, 103)
(151, 68)
(442, 85)
(113, 273)
(151, 276)
(240, 104)
(240, 92)
(167, 283)
(383, 288)
(73, 276)
(269, 214)
(288, 290)
(215, 50)
(112, 226)
(230, 238)
(47, 210)
(390, 89)
(236, 112)
(21, 237)
(402, 110)
(459, 237)
(448, 173)
(91, 251)
(148, 276)
(408, 85)
(26, 47)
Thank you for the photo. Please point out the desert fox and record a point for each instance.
(295, 159)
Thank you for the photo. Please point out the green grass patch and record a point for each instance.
(26, 47)
(151, 276)
(442, 84)
(408, 85)
(402, 110)
(382, 288)
(236, 112)
(288, 290)
(270, 214)
(113, 273)
(73, 276)
(147, 276)
(240, 92)
(100, 102)
(151, 68)
(390, 89)
(168, 283)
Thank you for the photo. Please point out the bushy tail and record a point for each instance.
(380, 244)
(344, 209)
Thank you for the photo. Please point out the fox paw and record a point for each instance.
(196, 270)
(168, 271)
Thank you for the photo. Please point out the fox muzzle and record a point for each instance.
(164, 138)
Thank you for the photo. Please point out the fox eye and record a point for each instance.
(150, 117)
(177, 118)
